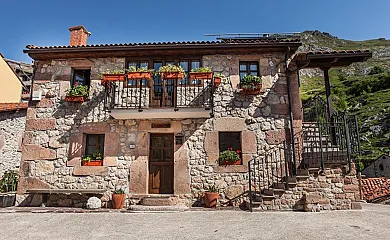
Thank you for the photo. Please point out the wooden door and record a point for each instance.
(163, 92)
(161, 163)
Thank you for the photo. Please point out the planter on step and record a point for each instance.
(75, 98)
(118, 200)
(7, 199)
(92, 163)
(217, 81)
(211, 199)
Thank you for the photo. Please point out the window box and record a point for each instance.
(75, 98)
(201, 75)
(231, 162)
(172, 75)
(92, 163)
(139, 75)
(113, 77)
(252, 90)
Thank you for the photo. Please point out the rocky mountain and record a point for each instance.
(362, 88)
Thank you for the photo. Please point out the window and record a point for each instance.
(94, 142)
(229, 140)
(81, 77)
(137, 64)
(188, 66)
(249, 68)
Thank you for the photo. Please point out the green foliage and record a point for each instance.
(78, 90)
(171, 68)
(201, 69)
(219, 75)
(229, 155)
(376, 70)
(9, 181)
(119, 191)
(114, 71)
(251, 82)
(95, 156)
(135, 69)
(212, 188)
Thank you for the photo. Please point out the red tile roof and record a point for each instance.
(6, 107)
(183, 43)
(374, 188)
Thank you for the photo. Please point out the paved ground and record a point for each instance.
(370, 223)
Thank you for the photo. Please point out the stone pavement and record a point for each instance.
(369, 223)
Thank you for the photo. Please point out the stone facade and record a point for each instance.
(12, 124)
(54, 140)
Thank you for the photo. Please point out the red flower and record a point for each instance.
(230, 149)
(76, 84)
(238, 151)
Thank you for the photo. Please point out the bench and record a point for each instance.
(46, 192)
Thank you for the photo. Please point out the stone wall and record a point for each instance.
(12, 126)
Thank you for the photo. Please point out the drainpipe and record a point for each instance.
(292, 132)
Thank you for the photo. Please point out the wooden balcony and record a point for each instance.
(159, 98)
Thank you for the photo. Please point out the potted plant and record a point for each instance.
(8, 186)
(230, 157)
(218, 79)
(171, 72)
(251, 85)
(201, 73)
(118, 198)
(77, 93)
(139, 73)
(211, 196)
(95, 159)
(113, 75)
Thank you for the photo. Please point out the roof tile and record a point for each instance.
(373, 188)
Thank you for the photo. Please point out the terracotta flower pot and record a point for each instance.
(231, 163)
(92, 163)
(139, 75)
(113, 77)
(172, 75)
(217, 81)
(211, 199)
(201, 75)
(74, 98)
(252, 91)
(118, 200)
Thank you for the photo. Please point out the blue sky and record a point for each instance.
(46, 22)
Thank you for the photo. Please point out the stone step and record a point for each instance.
(159, 201)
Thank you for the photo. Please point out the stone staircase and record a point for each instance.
(157, 203)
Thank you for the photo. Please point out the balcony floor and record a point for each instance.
(161, 113)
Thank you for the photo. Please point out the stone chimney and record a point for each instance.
(78, 36)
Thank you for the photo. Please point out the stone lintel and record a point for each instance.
(90, 170)
(40, 124)
(229, 124)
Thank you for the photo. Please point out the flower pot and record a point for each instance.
(201, 75)
(217, 81)
(172, 75)
(139, 75)
(118, 200)
(7, 199)
(92, 163)
(75, 98)
(230, 162)
(252, 91)
(211, 199)
(113, 77)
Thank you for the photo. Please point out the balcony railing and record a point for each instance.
(159, 93)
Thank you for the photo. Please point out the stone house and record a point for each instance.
(378, 168)
(161, 138)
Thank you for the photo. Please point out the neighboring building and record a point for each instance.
(25, 73)
(376, 190)
(378, 168)
(164, 136)
(11, 92)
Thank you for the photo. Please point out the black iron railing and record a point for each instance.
(159, 93)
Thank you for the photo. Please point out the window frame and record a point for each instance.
(86, 81)
(229, 138)
(137, 81)
(248, 71)
(100, 141)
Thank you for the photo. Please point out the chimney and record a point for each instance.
(78, 36)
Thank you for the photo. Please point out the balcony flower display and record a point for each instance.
(77, 93)
(112, 75)
(201, 73)
(139, 73)
(171, 72)
(230, 157)
(251, 85)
